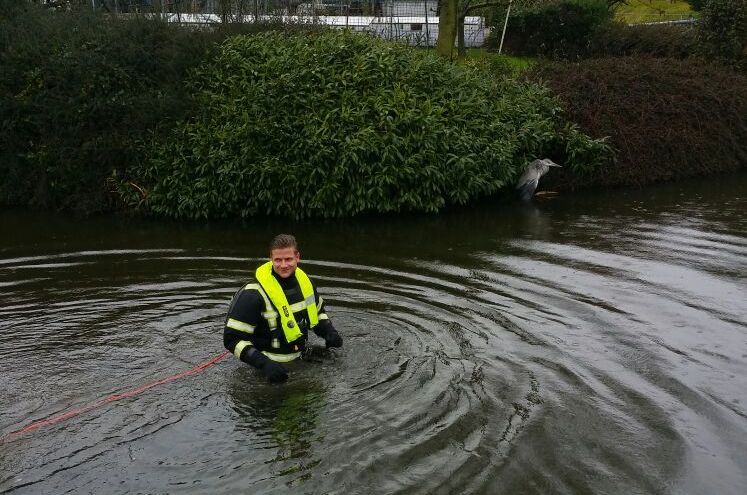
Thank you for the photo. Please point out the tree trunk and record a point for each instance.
(461, 49)
(447, 28)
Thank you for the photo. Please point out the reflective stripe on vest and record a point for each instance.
(273, 290)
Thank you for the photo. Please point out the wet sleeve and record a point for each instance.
(244, 315)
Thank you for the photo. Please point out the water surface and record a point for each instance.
(587, 343)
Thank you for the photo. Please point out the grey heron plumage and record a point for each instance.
(528, 181)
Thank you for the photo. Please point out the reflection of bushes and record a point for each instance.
(340, 123)
(667, 118)
(284, 420)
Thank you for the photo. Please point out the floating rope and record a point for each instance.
(112, 398)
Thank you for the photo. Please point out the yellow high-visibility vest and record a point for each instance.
(273, 290)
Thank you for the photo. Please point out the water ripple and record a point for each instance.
(545, 366)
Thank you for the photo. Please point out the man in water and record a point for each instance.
(269, 319)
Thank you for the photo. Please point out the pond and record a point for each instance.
(585, 343)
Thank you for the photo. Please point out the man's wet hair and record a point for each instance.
(282, 241)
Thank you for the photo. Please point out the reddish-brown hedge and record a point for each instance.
(666, 118)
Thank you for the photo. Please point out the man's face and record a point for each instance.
(285, 261)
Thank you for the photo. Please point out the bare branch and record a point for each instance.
(467, 8)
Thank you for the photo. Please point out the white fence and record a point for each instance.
(414, 22)
(413, 30)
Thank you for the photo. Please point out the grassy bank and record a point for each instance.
(638, 11)
(490, 58)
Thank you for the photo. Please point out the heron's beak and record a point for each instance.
(553, 164)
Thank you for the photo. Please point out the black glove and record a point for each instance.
(332, 338)
(274, 372)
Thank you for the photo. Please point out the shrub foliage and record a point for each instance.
(666, 118)
(616, 39)
(80, 91)
(557, 29)
(77, 92)
(723, 31)
(337, 123)
(577, 29)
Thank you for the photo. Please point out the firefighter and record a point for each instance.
(269, 319)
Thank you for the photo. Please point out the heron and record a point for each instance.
(530, 178)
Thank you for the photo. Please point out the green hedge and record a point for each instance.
(339, 123)
(723, 31)
(557, 29)
(579, 29)
(77, 93)
(80, 92)
(616, 39)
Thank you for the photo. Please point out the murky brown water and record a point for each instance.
(592, 343)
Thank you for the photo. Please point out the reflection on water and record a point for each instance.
(279, 421)
(589, 343)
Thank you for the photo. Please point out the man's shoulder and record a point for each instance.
(250, 286)
(246, 301)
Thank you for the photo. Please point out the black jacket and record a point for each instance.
(247, 307)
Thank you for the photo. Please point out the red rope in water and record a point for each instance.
(111, 398)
